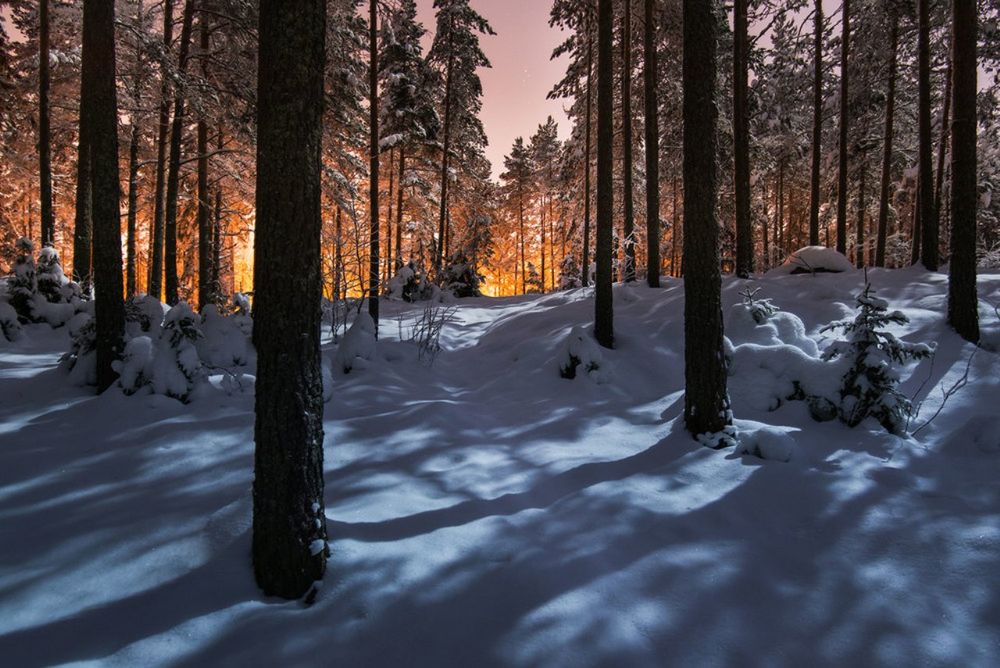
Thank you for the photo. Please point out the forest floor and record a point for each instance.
(484, 511)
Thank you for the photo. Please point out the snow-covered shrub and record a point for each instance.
(10, 326)
(768, 443)
(460, 278)
(580, 351)
(357, 348)
(53, 284)
(869, 388)
(23, 283)
(143, 316)
(81, 360)
(241, 313)
(223, 342)
(569, 273)
(410, 284)
(759, 309)
(177, 369)
(135, 368)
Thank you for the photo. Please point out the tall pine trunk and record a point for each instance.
(585, 269)
(398, 258)
(604, 330)
(206, 294)
(174, 165)
(48, 231)
(446, 149)
(845, 41)
(963, 304)
(741, 141)
(928, 217)
(943, 142)
(628, 226)
(890, 108)
(373, 248)
(154, 281)
(99, 107)
(133, 202)
(652, 147)
(289, 521)
(817, 133)
(706, 402)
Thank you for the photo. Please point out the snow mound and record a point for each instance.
(10, 326)
(813, 259)
(357, 348)
(580, 350)
(768, 443)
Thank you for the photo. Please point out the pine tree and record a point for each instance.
(289, 521)
(628, 194)
(741, 139)
(928, 216)
(603, 305)
(845, 27)
(817, 136)
(155, 278)
(890, 107)
(706, 401)
(44, 133)
(517, 187)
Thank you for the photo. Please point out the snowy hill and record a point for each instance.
(485, 511)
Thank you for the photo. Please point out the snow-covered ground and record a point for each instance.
(484, 511)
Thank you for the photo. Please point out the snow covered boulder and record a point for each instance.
(580, 351)
(813, 260)
(357, 348)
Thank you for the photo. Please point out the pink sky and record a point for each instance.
(514, 89)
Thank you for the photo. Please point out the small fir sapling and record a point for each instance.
(533, 283)
(357, 348)
(23, 283)
(10, 326)
(410, 284)
(460, 277)
(177, 368)
(53, 284)
(81, 360)
(760, 309)
(241, 313)
(869, 388)
(143, 316)
(569, 273)
(580, 352)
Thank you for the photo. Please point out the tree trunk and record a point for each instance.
(844, 121)
(585, 269)
(859, 250)
(928, 219)
(398, 262)
(289, 521)
(943, 143)
(652, 148)
(373, 179)
(741, 141)
(99, 106)
(443, 210)
(154, 283)
(817, 137)
(174, 166)
(706, 402)
(133, 200)
(604, 330)
(628, 226)
(890, 106)
(963, 304)
(387, 274)
(206, 295)
(48, 231)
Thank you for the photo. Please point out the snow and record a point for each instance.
(813, 259)
(486, 511)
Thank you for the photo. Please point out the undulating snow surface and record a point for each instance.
(484, 511)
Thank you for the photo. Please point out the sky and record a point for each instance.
(514, 89)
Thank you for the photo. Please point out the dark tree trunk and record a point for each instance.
(675, 228)
(928, 219)
(289, 521)
(859, 250)
(205, 293)
(387, 260)
(585, 269)
(706, 402)
(44, 139)
(155, 278)
(373, 249)
(520, 231)
(844, 121)
(628, 226)
(604, 330)
(890, 108)
(99, 106)
(541, 250)
(943, 143)
(443, 210)
(817, 136)
(652, 147)
(174, 166)
(133, 201)
(398, 262)
(741, 141)
(963, 304)
(217, 244)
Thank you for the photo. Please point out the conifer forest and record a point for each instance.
(500, 333)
